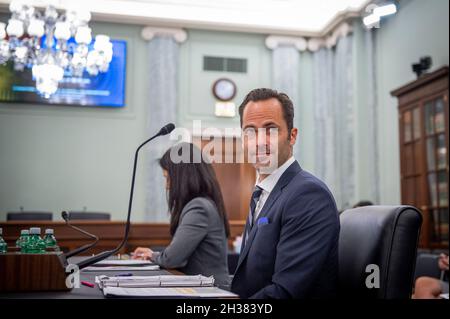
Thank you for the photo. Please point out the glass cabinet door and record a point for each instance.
(437, 167)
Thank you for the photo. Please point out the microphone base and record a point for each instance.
(33, 272)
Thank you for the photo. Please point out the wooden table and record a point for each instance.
(83, 292)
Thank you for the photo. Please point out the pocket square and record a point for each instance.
(263, 221)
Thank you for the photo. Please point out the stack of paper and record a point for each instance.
(154, 281)
(118, 262)
(122, 265)
(120, 268)
(185, 292)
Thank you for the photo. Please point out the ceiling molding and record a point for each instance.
(343, 17)
(186, 24)
(138, 13)
(274, 41)
(315, 44)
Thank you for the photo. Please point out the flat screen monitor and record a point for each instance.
(103, 90)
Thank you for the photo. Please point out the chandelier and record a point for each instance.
(52, 44)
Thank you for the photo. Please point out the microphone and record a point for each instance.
(167, 129)
(79, 250)
(87, 262)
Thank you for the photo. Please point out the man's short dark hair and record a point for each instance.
(266, 94)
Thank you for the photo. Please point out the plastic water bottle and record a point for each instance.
(23, 239)
(36, 245)
(3, 245)
(50, 240)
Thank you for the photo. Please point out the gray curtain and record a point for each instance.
(163, 55)
(373, 116)
(334, 120)
(324, 109)
(285, 78)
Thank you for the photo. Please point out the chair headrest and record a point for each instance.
(385, 236)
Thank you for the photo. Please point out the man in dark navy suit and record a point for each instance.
(290, 244)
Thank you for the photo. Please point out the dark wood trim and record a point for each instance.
(420, 82)
(110, 234)
(236, 179)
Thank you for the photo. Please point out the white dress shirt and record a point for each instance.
(268, 183)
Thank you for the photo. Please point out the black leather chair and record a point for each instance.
(386, 236)
(82, 215)
(29, 215)
(427, 265)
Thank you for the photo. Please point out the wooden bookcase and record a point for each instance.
(424, 159)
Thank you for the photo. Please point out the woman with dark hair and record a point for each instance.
(198, 222)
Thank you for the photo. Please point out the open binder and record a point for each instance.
(154, 281)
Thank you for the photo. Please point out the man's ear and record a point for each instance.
(293, 136)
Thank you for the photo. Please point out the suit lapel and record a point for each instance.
(244, 237)
(287, 176)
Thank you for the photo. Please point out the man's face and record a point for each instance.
(266, 138)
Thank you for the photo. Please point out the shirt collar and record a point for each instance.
(270, 181)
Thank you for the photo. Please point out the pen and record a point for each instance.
(86, 283)
(125, 274)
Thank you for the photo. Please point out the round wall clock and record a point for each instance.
(224, 89)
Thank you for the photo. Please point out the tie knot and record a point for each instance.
(257, 192)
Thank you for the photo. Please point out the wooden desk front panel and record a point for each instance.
(110, 234)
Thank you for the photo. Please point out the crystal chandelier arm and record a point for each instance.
(34, 50)
(25, 46)
(39, 15)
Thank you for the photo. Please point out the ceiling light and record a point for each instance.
(385, 10)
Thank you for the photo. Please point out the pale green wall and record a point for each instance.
(62, 157)
(196, 102)
(361, 89)
(420, 28)
(304, 117)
